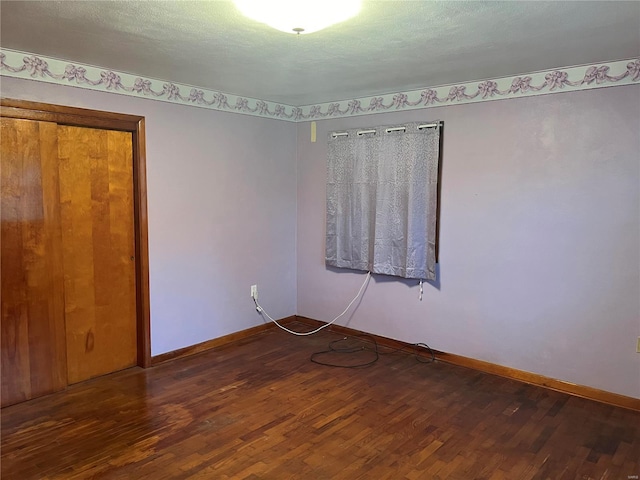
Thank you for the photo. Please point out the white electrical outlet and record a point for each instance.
(254, 292)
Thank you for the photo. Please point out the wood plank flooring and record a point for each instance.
(259, 409)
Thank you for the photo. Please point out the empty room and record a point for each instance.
(355, 239)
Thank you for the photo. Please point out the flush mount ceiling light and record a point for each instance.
(299, 16)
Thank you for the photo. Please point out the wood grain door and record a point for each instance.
(32, 292)
(97, 215)
(74, 254)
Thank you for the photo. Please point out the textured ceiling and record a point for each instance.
(392, 46)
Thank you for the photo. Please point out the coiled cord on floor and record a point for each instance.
(367, 345)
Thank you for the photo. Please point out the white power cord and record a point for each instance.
(263, 311)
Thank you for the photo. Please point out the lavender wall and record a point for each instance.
(539, 241)
(540, 265)
(222, 212)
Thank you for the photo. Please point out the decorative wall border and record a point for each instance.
(30, 66)
(540, 83)
(44, 69)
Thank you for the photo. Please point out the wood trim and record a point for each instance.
(78, 117)
(439, 192)
(582, 391)
(217, 342)
(382, 341)
(143, 301)
(81, 117)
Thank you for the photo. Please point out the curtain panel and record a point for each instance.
(382, 200)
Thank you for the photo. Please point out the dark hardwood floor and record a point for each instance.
(259, 409)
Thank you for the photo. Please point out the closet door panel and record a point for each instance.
(96, 194)
(32, 289)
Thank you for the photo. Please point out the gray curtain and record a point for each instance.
(382, 194)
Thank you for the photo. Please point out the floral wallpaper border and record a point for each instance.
(30, 66)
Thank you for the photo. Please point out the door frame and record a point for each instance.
(81, 117)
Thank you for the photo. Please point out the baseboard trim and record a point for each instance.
(216, 342)
(582, 391)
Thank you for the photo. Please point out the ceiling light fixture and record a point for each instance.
(299, 16)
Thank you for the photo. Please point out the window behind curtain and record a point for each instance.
(382, 200)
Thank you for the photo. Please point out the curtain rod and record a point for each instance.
(388, 130)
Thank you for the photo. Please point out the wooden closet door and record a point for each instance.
(96, 195)
(32, 322)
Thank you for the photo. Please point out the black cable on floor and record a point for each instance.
(334, 349)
